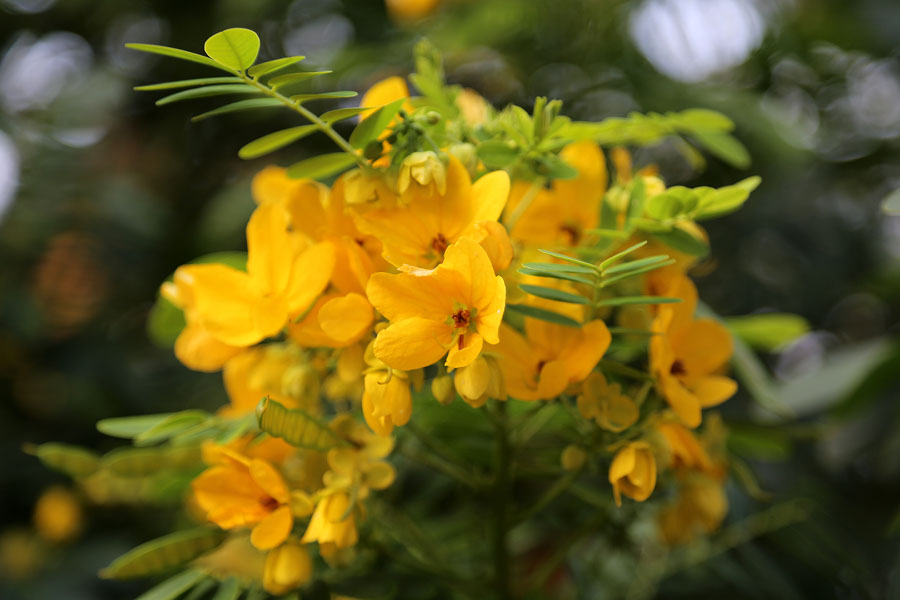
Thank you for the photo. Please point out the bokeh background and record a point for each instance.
(102, 195)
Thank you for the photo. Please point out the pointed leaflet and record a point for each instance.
(176, 53)
(284, 80)
(542, 314)
(323, 96)
(340, 114)
(174, 586)
(273, 65)
(239, 106)
(129, 427)
(321, 166)
(206, 91)
(274, 141)
(235, 48)
(623, 300)
(724, 146)
(170, 85)
(74, 461)
(371, 127)
(553, 294)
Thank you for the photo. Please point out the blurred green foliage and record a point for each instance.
(102, 196)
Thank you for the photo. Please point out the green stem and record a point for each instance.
(501, 498)
(562, 484)
(309, 116)
(440, 458)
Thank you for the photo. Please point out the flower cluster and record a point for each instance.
(504, 259)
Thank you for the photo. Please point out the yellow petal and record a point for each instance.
(489, 317)
(271, 185)
(225, 301)
(702, 346)
(286, 568)
(460, 357)
(346, 319)
(269, 479)
(198, 350)
(478, 284)
(274, 529)
(472, 381)
(713, 389)
(310, 273)
(623, 463)
(682, 401)
(412, 343)
(269, 254)
(380, 475)
(229, 496)
(553, 379)
(491, 192)
(384, 92)
(403, 295)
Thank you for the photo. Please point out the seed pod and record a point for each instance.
(163, 554)
(296, 427)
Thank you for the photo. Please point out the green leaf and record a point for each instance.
(74, 461)
(134, 462)
(681, 240)
(301, 98)
(636, 264)
(607, 281)
(129, 427)
(620, 255)
(554, 167)
(891, 203)
(768, 331)
(229, 590)
(725, 200)
(557, 275)
(543, 314)
(207, 91)
(240, 105)
(164, 323)
(747, 478)
(623, 300)
(568, 268)
(553, 294)
(758, 443)
(164, 553)
(724, 146)
(176, 53)
(171, 425)
(372, 126)
(174, 586)
(332, 116)
(235, 48)
(169, 85)
(273, 65)
(291, 78)
(568, 258)
(674, 201)
(274, 141)
(321, 166)
(296, 426)
(704, 119)
(497, 154)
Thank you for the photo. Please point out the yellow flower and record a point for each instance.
(277, 370)
(442, 388)
(354, 471)
(685, 450)
(633, 472)
(242, 491)
(57, 515)
(386, 401)
(606, 403)
(562, 213)
(686, 356)
(384, 92)
(282, 279)
(457, 306)
(287, 567)
(542, 364)
(425, 169)
(418, 227)
(700, 508)
(195, 347)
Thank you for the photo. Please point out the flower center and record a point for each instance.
(439, 244)
(677, 368)
(572, 232)
(461, 319)
(269, 503)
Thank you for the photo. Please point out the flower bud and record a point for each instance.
(573, 458)
(287, 568)
(633, 472)
(424, 168)
(442, 389)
